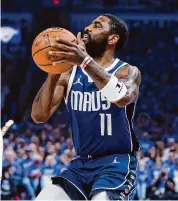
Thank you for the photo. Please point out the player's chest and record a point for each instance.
(85, 96)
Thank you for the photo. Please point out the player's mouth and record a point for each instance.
(85, 37)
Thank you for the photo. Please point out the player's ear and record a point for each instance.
(113, 39)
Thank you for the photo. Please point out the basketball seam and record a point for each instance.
(44, 64)
(40, 50)
(46, 33)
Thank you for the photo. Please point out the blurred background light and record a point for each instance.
(7, 33)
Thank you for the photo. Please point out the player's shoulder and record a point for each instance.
(128, 68)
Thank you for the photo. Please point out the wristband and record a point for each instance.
(83, 62)
(87, 62)
(114, 90)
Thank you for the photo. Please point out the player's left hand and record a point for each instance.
(67, 51)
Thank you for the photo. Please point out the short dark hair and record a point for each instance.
(119, 27)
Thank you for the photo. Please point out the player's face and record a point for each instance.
(96, 35)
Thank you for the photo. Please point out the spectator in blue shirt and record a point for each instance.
(145, 142)
(156, 169)
(173, 174)
(67, 145)
(49, 170)
(26, 168)
(158, 186)
(142, 180)
(64, 160)
(170, 162)
(35, 173)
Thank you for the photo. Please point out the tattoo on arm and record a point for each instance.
(130, 76)
(132, 81)
(38, 96)
(98, 75)
(44, 97)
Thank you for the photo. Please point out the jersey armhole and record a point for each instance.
(122, 66)
(69, 86)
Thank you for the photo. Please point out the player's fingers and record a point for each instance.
(79, 39)
(57, 53)
(65, 42)
(62, 47)
(59, 62)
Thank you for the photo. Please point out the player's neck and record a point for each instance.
(106, 59)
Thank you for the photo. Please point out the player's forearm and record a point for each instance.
(98, 74)
(42, 103)
(131, 80)
(130, 96)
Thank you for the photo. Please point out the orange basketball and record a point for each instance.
(41, 47)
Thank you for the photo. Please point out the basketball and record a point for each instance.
(42, 45)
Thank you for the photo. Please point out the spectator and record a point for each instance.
(35, 174)
(158, 186)
(49, 170)
(173, 174)
(64, 160)
(7, 190)
(145, 142)
(67, 145)
(170, 162)
(26, 168)
(170, 193)
(142, 180)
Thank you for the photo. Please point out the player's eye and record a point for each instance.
(97, 25)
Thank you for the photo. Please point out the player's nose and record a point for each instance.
(88, 28)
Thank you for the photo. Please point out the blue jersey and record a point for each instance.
(98, 126)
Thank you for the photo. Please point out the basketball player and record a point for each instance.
(100, 92)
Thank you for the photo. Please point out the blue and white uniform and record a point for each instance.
(103, 140)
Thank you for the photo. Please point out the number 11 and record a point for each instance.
(109, 124)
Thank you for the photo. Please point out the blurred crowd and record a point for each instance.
(35, 153)
(32, 155)
(122, 5)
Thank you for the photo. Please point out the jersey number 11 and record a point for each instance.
(106, 123)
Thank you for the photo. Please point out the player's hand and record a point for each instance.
(67, 51)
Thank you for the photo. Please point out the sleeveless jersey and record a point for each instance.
(98, 126)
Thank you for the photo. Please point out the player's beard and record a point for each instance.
(95, 48)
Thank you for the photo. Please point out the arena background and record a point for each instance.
(35, 152)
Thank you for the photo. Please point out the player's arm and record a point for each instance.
(120, 89)
(49, 97)
(128, 77)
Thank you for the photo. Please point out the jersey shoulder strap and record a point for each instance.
(119, 64)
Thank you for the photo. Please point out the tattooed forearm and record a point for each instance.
(98, 74)
(38, 96)
(130, 75)
(43, 101)
(132, 82)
